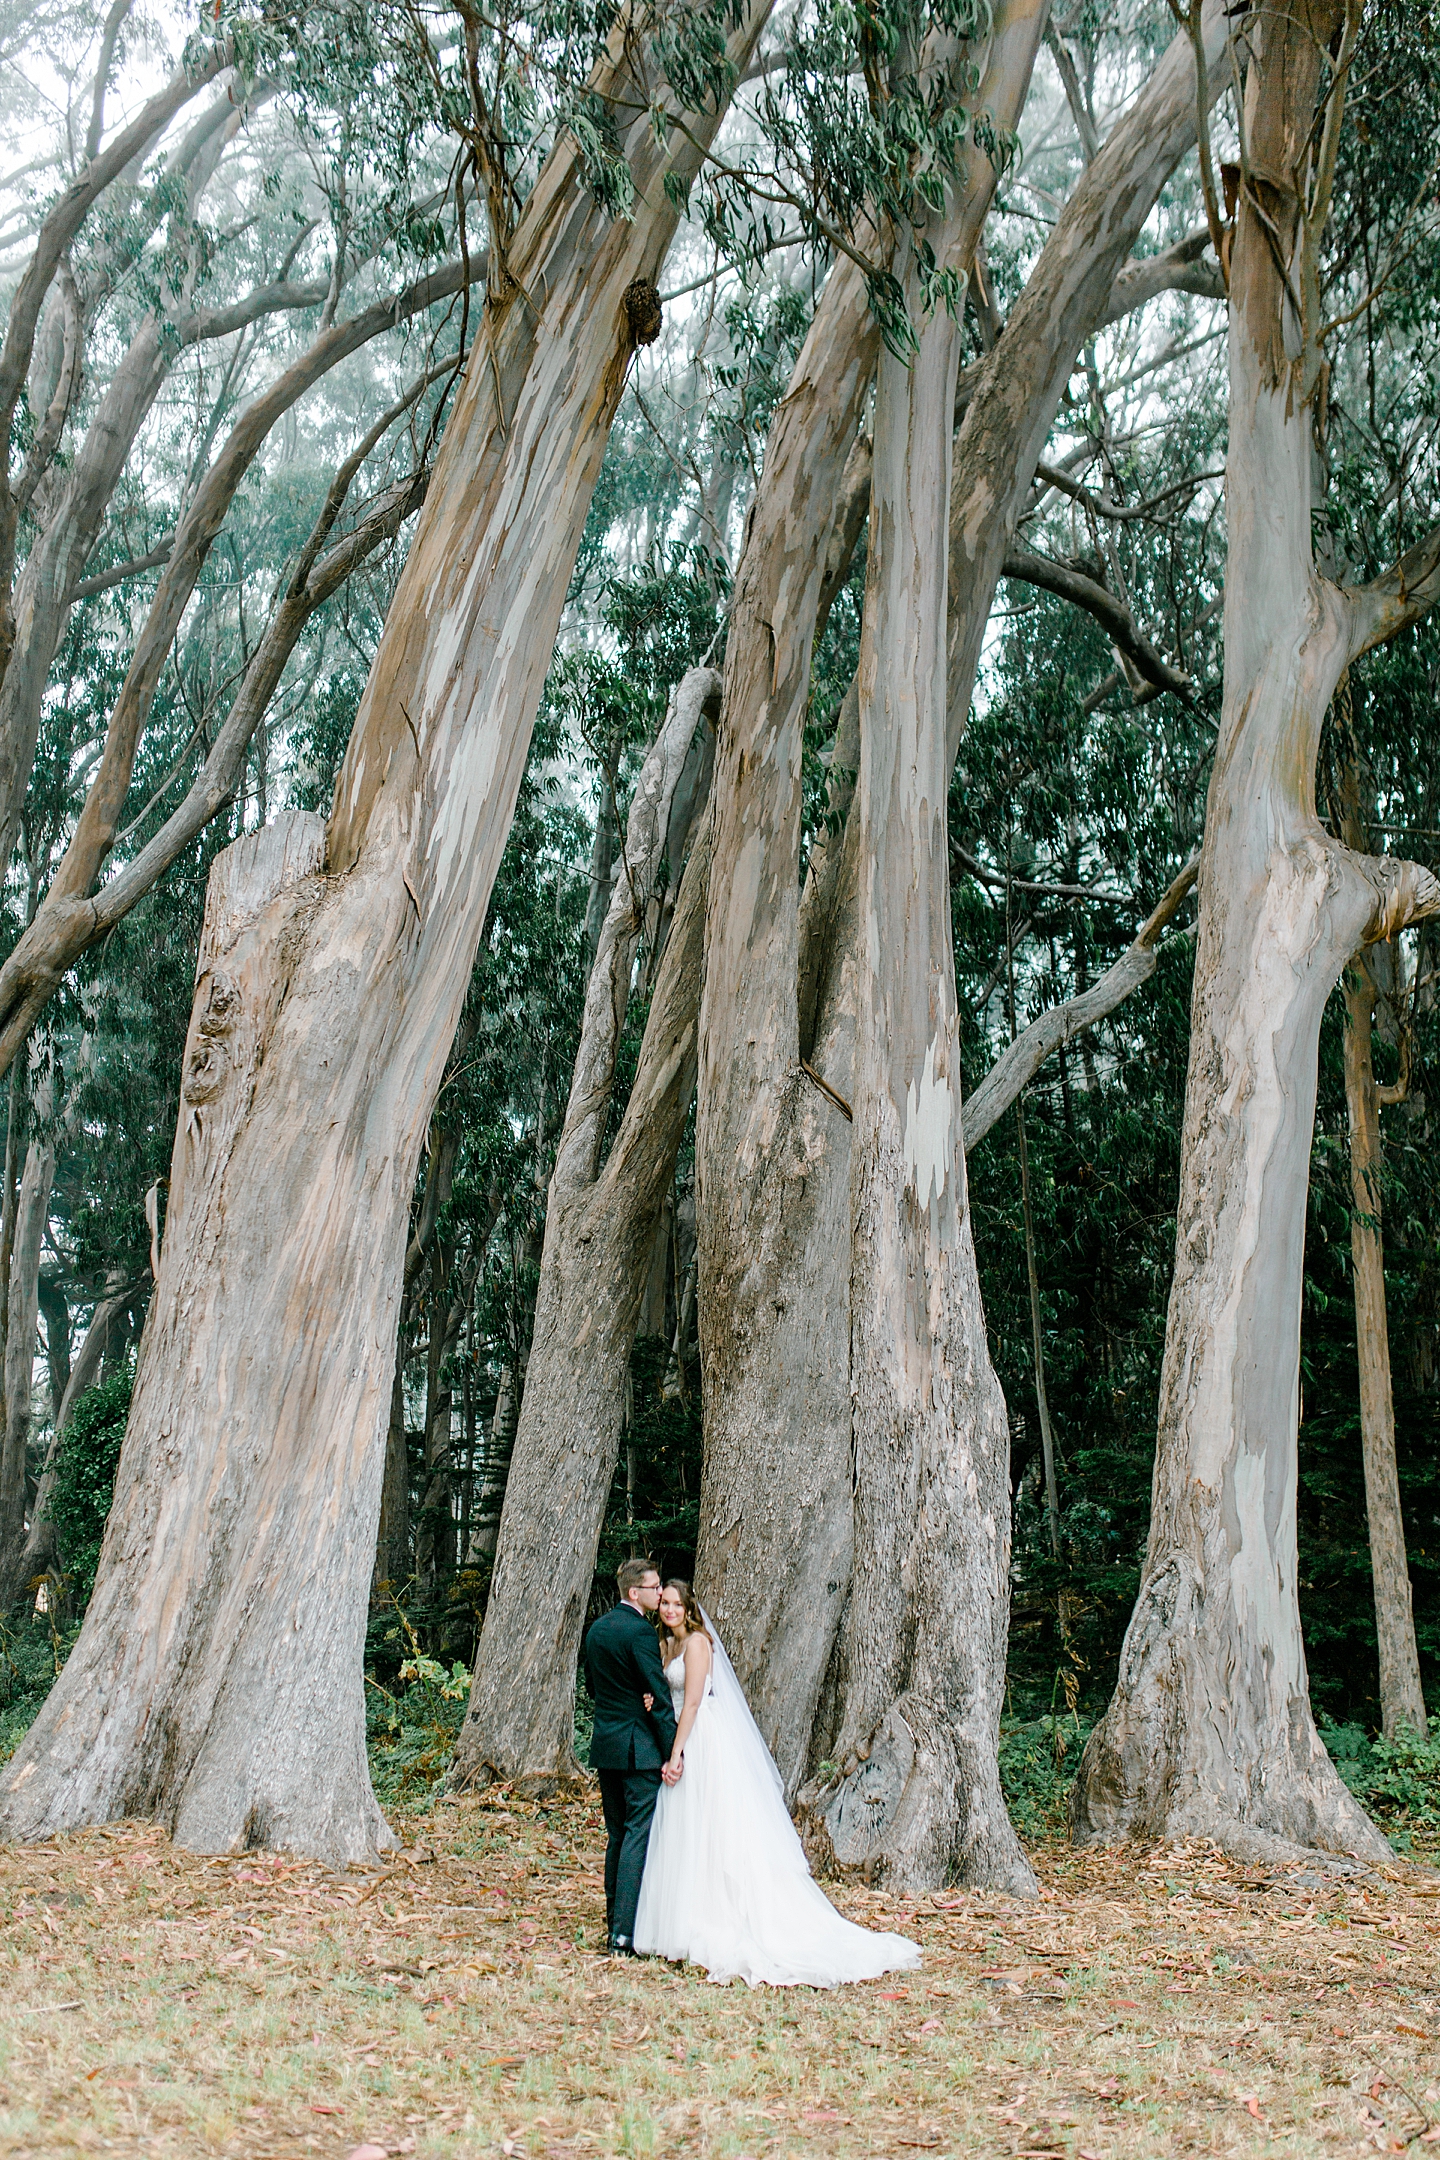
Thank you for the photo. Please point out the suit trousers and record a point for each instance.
(628, 1798)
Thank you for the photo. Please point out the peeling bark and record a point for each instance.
(216, 1685)
(772, 1149)
(771, 1342)
(917, 1708)
(1210, 1730)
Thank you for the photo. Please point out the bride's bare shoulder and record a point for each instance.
(697, 1648)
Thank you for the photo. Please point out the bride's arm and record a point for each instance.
(697, 1673)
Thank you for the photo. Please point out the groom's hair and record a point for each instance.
(631, 1573)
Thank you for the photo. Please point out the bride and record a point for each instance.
(726, 1884)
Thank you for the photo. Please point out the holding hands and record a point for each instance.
(670, 1771)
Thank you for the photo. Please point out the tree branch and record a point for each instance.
(95, 829)
(1390, 604)
(1112, 614)
(65, 925)
(1120, 513)
(109, 39)
(998, 881)
(1013, 1072)
(104, 579)
(67, 215)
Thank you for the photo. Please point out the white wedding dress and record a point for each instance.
(726, 1882)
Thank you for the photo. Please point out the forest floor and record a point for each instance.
(1151, 2003)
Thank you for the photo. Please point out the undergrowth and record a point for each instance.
(410, 1726)
(31, 1655)
(1038, 1760)
(1397, 1781)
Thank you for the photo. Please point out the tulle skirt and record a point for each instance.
(726, 1883)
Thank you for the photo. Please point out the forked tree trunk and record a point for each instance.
(1210, 1731)
(599, 1234)
(918, 1730)
(31, 1215)
(1402, 1699)
(217, 1683)
(772, 1149)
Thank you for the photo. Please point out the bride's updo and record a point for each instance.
(694, 1619)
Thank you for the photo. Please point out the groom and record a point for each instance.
(634, 1733)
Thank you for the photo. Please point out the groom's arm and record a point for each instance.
(653, 1682)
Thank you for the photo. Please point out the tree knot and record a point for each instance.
(643, 313)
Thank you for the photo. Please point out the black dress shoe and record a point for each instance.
(621, 1946)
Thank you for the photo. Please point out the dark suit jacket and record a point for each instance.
(622, 1664)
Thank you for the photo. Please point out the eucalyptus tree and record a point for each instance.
(777, 1324)
(1210, 1730)
(333, 968)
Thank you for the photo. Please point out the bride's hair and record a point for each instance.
(694, 1618)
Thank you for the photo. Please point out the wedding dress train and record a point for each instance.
(726, 1882)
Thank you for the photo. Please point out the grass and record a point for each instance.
(453, 2004)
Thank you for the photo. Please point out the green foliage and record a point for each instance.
(1397, 1781)
(1038, 1761)
(410, 1735)
(410, 1726)
(85, 1466)
(32, 1652)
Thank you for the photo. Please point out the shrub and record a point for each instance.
(85, 1466)
(410, 1728)
(1397, 1781)
(31, 1655)
(1038, 1761)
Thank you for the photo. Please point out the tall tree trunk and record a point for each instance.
(435, 1555)
(918, 1793)
(31, 1214)
(770, 1183)
(772, 1147)
(1210, 1731)
(1402, 1700)
(499, 1443)
(217, 1683)
(599, 1234)
(392, 1543)
(55, 1308)
(1037, 1343)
